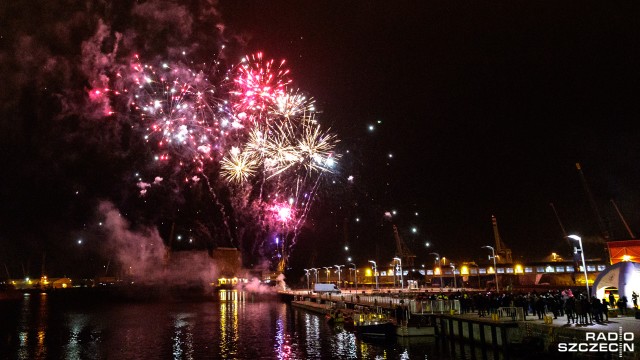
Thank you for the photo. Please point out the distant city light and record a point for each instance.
(79, 241)
(346, 248)
(427, 244)
(414, 230)
(371, 127)
(394, 212)
(349, 258)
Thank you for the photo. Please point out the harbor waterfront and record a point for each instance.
(232, 324)
(505, 331)
(229, 325)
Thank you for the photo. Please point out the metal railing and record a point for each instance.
(510, 313)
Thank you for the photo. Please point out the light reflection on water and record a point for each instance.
(235, 325)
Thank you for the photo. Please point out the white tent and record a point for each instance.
(625, 276)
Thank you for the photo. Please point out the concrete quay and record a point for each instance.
(504, 333)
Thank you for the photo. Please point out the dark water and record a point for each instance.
(234, 326)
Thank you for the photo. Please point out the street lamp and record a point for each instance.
(401, 274)
(306, 272)
(339, 271)
(328, 270)
(584, 266)
(495, 269)
(453, 268)
(355, 274)
(438, 259)
(375, 272)
(316, 270)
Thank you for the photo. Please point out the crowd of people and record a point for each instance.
(577, 306)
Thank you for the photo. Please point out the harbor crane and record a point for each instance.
(502, 252)
(402, 250)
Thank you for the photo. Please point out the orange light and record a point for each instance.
(518, 269)
(464, 270)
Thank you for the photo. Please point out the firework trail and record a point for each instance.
(242, 131)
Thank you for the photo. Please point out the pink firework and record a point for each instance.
(258, 84)
(282, 212)
(177, 110)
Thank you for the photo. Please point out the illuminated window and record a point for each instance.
(601, 267)
(549, 269)
(422, 272)
(429, 272)
(559, 269)
(437, 271)
(528, 269)
(500, 270)
(509, 270)
(570, 268)
(465, 270)
(591, 268)
(383, 273)
(473, 271)
(540, 269)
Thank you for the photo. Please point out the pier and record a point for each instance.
(504, 333)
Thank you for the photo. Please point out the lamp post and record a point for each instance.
(401, 274)
(584, 266)
(339, 271)
(306, 272)
(453, 268)
(355, 275)
(316, 270)
(495, 269)
(328, 270)
(375, 272)
(438, 259)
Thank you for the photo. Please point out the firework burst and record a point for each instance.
(259, 139)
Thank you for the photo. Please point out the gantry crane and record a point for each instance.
(503, 252)
(402, 250)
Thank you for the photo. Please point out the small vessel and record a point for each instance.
(375, 325)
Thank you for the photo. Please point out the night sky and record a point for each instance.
(477, 109)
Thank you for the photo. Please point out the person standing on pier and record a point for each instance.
(612, 300)
(605, 308)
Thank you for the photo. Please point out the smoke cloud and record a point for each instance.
(143, 257)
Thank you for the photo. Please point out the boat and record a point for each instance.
(373, 325)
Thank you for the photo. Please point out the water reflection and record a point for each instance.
(230, 301)
(235, 326)
(73, 348)
(183, 336)
(345, 344)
